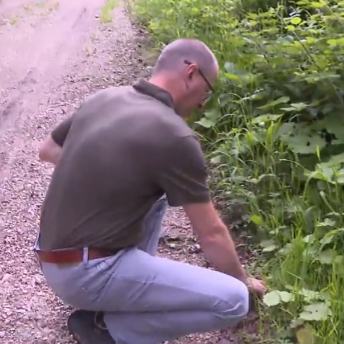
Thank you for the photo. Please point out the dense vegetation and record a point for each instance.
(275, 136)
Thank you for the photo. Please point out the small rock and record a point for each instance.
(6, 277)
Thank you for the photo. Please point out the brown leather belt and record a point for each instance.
(70, 256)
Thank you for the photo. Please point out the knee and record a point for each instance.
(234, 305)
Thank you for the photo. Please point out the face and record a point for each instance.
(197, 88)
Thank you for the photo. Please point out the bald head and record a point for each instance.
(174, 55)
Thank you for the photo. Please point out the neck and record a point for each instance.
(167, 84)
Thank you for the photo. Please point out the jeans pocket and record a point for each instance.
(99, 265)
(96, 275)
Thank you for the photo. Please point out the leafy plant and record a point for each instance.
(274, 134)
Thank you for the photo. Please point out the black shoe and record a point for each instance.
(88, 328)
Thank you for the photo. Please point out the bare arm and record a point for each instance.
(50, 151)
(183, 176)
(51, 148)
(215, 240)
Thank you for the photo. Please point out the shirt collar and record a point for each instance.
(154, 91)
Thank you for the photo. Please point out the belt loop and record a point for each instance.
(36, 242)
(85, 255)
(36, 247)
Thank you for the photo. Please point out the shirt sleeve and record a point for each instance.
(183, 174)
(60, 133)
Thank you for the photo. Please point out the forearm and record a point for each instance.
(50, 151)
(220, 251)
(52, 157)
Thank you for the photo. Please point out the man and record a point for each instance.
(115, 159)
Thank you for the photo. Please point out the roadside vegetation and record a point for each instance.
(274, 133)
(106, 11)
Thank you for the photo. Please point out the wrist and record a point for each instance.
(243, 278)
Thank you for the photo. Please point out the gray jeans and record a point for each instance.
(148, 299)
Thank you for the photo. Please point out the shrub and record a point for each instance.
(275, 138)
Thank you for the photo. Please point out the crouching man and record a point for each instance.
(119, 159)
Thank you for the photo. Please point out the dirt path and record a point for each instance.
(52, 54)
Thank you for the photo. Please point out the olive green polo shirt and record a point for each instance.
(122, 150)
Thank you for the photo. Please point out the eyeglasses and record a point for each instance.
(203, 77)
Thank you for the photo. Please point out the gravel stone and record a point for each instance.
(53, 53)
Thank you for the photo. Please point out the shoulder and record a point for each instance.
(182, 172)
(186, 149)
(165, 121)
(106, 94)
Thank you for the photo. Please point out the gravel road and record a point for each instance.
(52, 54)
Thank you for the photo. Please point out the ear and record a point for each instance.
(191, 68)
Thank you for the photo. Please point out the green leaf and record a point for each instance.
(316, 4)
(335, 42)
(287, 128)
(290, 28)
(326, 223)
(285, 296)
(268, 245)
(270, 248)
(326, 240)
(231, 76)
(335, 160)
(256, 219)
(286, 249)
(229, 67)
(281, 100)
(205, 122)
(309, 295)
(302, 141)
(334, 124)
(316, 312)
(332, 41)
(338, 259)
(295, 107)
(327, 256)
(216, 160)
(275, 297)
(295, 20)
(265, 118)
(309, 239)
(212, 115)
(272, 298)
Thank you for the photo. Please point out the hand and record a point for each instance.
(256, 286)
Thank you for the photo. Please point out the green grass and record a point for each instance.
(13, 20)
(275, 68)
(300, 234)
(106, 11)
